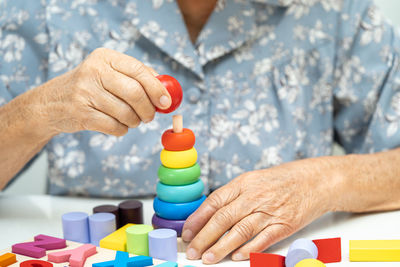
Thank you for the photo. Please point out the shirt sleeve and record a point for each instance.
(367, 80)
(23, 49)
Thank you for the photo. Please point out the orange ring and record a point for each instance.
(178, 141)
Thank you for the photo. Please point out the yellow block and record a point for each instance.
(116, 240)
(374, 250)
(178, 159)
(310, 263)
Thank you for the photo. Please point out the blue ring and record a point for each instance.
(176, 211)
(180, 193)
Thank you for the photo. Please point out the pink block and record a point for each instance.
(37, 248)
(76, 256)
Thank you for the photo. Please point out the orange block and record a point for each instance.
(7, 259)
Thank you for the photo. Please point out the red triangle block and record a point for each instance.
(329, 249)
(266, 260)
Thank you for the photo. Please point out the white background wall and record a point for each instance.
(33, 181)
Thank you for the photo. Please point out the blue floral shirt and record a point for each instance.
(267, 81)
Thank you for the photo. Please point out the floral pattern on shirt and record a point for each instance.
(267, 82)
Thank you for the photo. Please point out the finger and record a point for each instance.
(269, 236)
(219, 223)
(219, 198)
(116, 108)
(130, 91)
(243, 231)
(135, 69)
(101, 122)
(155, 73)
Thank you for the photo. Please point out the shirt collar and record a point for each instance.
(282, 3)
(232, 24)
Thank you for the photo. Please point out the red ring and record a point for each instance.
(37, 263)
(178, 141)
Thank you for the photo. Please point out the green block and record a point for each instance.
(137, 240)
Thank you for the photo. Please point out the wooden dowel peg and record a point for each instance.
(177, 123)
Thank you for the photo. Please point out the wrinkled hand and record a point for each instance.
(108, 92)
(263, 206)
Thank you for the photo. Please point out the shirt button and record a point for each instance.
(193, 95)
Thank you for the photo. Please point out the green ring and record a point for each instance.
(182, 176)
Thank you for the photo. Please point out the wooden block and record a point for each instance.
(310, 263)
(168, 264)
(76, 257)
(137, 240)
(266, 260)
(123, 259)
(7, 259)
(374, 250)
(329, 249)
(299, 250)
(116, 240)
(37, 248)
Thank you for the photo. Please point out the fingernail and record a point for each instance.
(187, 235)
(192, 254)
(209, 257)
(164, 101)
(238, 257)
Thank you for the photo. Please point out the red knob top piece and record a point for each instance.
(175, 91)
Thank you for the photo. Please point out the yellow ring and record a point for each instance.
(178, 159)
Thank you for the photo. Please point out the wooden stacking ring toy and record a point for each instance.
(173, 141)
(176, 225)
(178, 159)
(176, 211)
(180, 193)
(179, 176)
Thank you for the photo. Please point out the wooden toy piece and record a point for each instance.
(181, 176)
(176, 225)
(131, 211)
(177, 123)
(374, 250)
(35, 263)
(178, 141)
(101, 225)
(299, 250)
(329, 249)
(176, 211)
(38, 247)
(310, 263)
(76, 227)
(178, 159)
(76, 257)
(123, 259)
(266, 259)
(180, 193)
(7, 259)
(168, 264)
(109, 209)
(137, 241)
(175, 91)
(163, 244)
(116, 240)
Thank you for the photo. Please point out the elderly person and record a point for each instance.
(269, 86)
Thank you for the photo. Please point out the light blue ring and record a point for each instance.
(180, 193)
(176, 211)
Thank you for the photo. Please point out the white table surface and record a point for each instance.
(22, 217)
